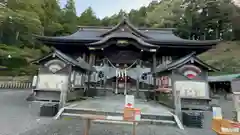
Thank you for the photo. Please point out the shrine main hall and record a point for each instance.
(124, 58)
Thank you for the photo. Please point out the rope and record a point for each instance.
(126, 67)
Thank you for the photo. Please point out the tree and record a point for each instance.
(69, 18)
(17, 24)
(164, 13)
(51, 18)
(88, 17)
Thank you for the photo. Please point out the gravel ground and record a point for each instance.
(19, 117)
(16, 114)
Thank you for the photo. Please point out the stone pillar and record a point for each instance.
(64, 89)
(176, 97)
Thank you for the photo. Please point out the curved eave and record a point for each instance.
(184, 60)
(185, 43)
(63, 39)
(147, 42)
(124, 21)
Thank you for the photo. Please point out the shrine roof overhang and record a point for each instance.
(80, 63)
(165, 42)
(159, 37)
(184, 60)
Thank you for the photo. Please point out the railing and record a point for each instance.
(15, 85)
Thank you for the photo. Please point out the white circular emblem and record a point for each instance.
(190, 71)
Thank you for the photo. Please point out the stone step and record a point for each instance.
(143, 121)
(158, 116)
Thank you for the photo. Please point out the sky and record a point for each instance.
(104, 8)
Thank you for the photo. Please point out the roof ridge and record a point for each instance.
(110, 27)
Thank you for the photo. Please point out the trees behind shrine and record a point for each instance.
(194, 19)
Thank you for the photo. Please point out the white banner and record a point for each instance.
(129, 101)
(52, 82)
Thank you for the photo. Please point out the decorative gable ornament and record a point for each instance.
(190, 71)
(55, 65)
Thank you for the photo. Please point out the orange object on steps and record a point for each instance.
(225, 127)
(128, 113)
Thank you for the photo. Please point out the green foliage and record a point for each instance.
(88, 18)
(194, 19)
(225, 57)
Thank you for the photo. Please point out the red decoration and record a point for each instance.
(191, 76)
(129, 105)
(190, 71)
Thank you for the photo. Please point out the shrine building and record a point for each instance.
(122, 59)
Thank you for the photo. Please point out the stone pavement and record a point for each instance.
(116, 104)
(19, 117)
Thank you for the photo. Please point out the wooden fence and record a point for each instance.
(15, 85)
(19, 82)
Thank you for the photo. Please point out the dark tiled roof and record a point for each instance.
(156, 37)
(182, 61)
(152, 36)
(80, 63)
(126, 22)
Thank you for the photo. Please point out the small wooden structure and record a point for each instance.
(188, 75)
(57, 77)
(223, 83)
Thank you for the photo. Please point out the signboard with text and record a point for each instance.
(192, 88)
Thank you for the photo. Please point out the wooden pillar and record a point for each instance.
(84, 56)
(154, 74)
(137, 81)
(89, 72)
(116, 83)
(125, 82)
(105, 76)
